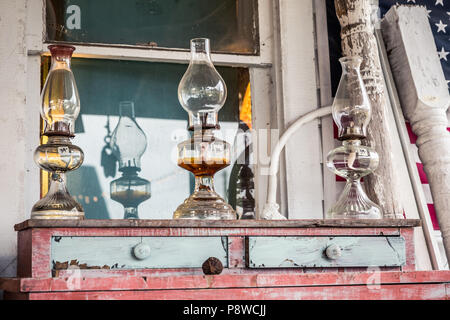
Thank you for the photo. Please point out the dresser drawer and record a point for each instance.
(319, 252)
(137, 252)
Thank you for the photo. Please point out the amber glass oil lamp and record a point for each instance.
(202, 92)
(128, 144)
(60, 108)
(353, 160)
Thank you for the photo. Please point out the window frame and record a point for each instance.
(37, 44)
(259, 66)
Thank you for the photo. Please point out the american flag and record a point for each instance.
(439, 17)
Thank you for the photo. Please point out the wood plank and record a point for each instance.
(304, 223)
(96, 273)
(118, 252)
(323, 64)
(40, 252)
(301, 252)
(24, 252)
(383, 292)
(263, 120)
(157, 282)
(297, 65)
(236, 252)
(408, 235)
(208, 232)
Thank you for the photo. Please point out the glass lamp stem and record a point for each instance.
(57, 183)
(204, 183)
(131, 213)
(200, 50)
(353, 189)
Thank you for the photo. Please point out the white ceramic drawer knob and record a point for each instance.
(333, 252)
(141, 251)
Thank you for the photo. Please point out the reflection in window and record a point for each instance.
(147, 94)
(230, 24)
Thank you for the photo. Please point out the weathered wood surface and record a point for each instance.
(304, 252)
(382, 292)
(35, 245)
(221, 281)
(306, 223)
(363, 285)
(427, 245)
(118, 252)
(424, 97)
(358, 39)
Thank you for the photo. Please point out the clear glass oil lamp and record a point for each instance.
(202, 92)
(128, 144)
(353, 160)
(60, 108)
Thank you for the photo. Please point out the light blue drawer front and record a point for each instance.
(291, 252)
(139, 252)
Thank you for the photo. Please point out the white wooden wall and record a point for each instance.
(18, 128)
(304, 190)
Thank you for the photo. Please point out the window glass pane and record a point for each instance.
(230, 24)
(152, 87)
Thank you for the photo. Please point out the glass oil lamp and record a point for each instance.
(128, 143)
(353, 160)
(245, 185)
(202, 92)
(60, 108)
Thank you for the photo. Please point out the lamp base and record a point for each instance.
(205, 205)
(354, 204)
(49, 209)
(57, 214)
(57, 203)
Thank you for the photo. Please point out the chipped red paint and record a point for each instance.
(384, 292)
(236, 253)
(363, 285)
(26, 285)
(408, 234)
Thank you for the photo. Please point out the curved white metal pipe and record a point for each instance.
(270, 210)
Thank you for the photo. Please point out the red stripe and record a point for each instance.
(412, 136)
(432, 212)
(422, 174)
(340, 179)
(335, 131)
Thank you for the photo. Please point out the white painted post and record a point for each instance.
(358, 39)
(424, 98)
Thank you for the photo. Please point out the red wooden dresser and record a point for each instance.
(172, 259)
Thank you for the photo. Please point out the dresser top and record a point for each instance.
(304, 223)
